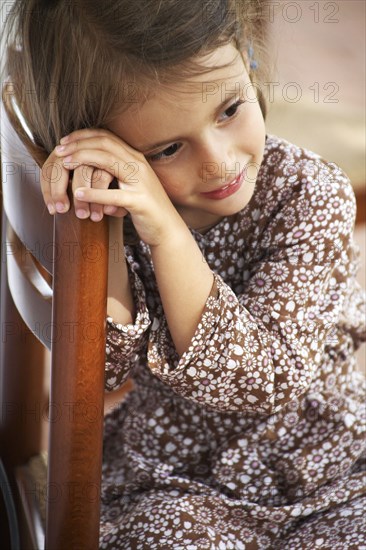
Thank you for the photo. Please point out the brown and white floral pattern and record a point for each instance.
(254, 437)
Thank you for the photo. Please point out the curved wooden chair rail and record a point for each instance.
(53, 294)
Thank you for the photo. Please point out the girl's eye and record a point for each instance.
(166, 153)
(172, 149)
(232, 110)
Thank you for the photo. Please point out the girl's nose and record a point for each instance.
(216, 162)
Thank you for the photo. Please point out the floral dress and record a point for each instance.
(254, 437)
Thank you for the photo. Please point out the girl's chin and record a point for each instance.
(229, 206)
(209, 212)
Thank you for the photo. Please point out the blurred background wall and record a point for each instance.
(318, 92)
(317, 96)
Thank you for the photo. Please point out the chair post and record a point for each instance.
(77, 383)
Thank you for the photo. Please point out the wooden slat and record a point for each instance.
(32, 295)
(22, 193)
(21, 382)
(27, 489)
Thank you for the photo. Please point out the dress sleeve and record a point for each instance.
(125, 342)
(256, 351)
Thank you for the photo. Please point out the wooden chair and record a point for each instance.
(53, 295)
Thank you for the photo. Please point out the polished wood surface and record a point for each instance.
(77, 384)
(361, 204)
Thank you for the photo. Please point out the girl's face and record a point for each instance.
(204, 139)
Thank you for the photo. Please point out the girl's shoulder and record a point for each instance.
(296, 188)
(281, 157)
(288, 169)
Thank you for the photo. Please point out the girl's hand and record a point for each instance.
(55, 178)
(139, 190)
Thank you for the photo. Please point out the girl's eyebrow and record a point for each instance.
(228, 97)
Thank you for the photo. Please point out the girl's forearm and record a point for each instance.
(185, 281)
(120, 305)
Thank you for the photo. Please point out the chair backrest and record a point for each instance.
(53, 286)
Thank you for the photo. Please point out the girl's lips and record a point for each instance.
(226, 190)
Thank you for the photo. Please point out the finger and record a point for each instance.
(125, 170)
(84, 134)
(100, 180)
(109, 197)
(97, 139)
(54, 181)
(115, 211)
(82, 178)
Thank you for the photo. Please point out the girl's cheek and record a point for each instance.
(174, 189)
(168, 179)
(178, 179)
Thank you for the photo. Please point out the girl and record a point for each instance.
(235, 309)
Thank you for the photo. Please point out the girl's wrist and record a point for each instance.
(171, 234)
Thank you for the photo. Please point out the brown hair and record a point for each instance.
(70, 63)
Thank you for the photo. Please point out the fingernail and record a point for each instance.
(95, 217)
(110, 209)
(79, 194)
(64, 139)
(60, 148)
(51, 208)
(68, 158)
(61, 207)
(82, 214)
